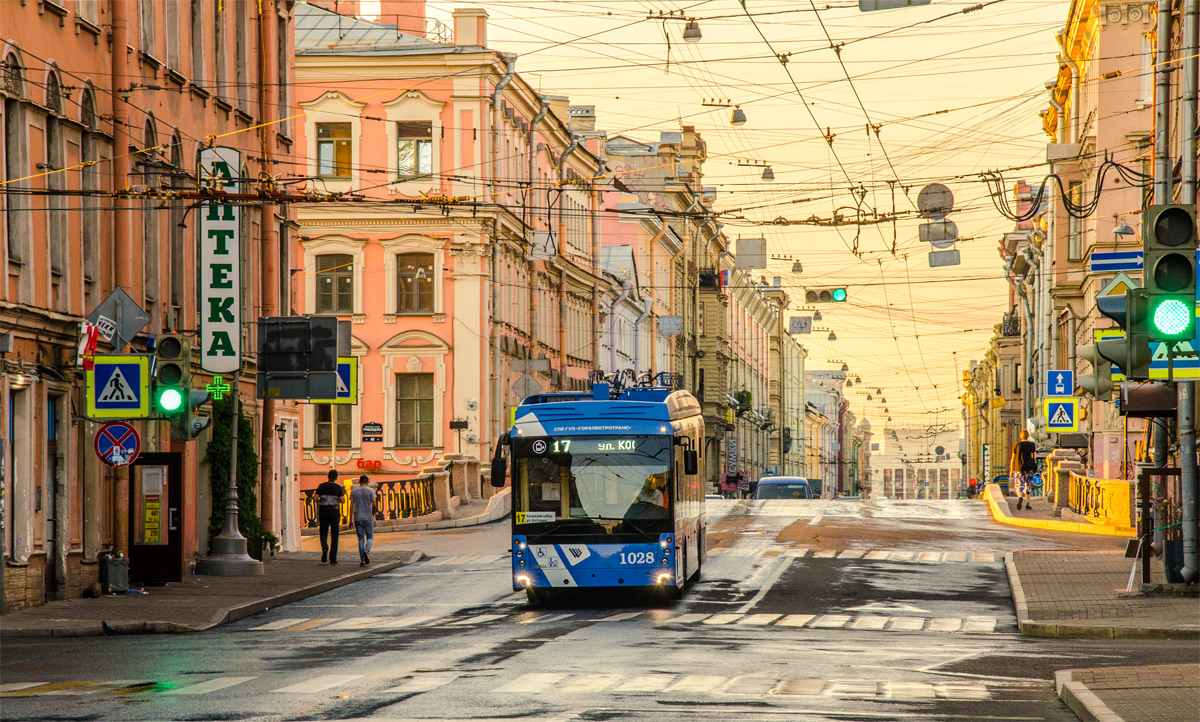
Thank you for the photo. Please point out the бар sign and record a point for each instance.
(220, 264)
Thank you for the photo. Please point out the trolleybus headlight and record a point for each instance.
(520, 545)
(524, 579)
(664, 578)
(665, 542)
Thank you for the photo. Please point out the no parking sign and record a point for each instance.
(118, 444)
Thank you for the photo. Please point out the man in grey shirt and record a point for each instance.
(362, 504)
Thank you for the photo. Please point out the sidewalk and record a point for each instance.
(1156, 693)
(1040, 516)
(199, 602)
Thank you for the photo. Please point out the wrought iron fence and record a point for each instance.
(396, 499)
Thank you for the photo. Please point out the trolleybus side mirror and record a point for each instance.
(691, 465)
(499, 465)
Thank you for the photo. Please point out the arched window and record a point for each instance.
(175, 230)
(56, 213)
(15, 161)
(90, 181)
(151, 251)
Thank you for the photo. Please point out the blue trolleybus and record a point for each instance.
(606, 489)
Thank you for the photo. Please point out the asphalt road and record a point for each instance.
(809, 610)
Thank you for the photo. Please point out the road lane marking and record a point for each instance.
(722, 618)
(46, 688)
(276, 625)
(908, 624)
(697, 684)
(780, 568)
(647, 683)
(759, 620)
(405, 622)
(544, 618)
(424, 682)
(795, 620)
(590, 683)
(869, 621)
(820, 513)
(830, 621)
(532, 683)
(753, 684)
(317, 684)
(211, 685)
(852, 554)
(980, 625)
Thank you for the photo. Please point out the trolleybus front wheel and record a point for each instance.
(537, 597)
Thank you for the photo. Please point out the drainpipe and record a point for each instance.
(626, 286)
(1162, 104)
(1065, 58)
(510, 62)
(1025, 395)
(647, 303)
(1187, 389)
(122, 236)
(1051, 85)
(497, 389)
(562, 161)
(533, 124)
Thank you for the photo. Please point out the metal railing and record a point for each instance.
(396, 499)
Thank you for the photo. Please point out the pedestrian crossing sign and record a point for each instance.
(347, 383)
(1062, 414)
(118, 387)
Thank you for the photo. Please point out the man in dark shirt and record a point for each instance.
(1021, 467)
(329, 516)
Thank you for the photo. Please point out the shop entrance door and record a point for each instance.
(155, 534)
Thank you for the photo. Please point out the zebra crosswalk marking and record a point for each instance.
(544, 618)
(869, 621)
(983, 558)
(830, 621)
(795, 620)
(909, 690)
(619, 617)
(824, 554)
(43, 688)
(945, 624)
(696, 683)
(851, 554)
(689, 618)
(752, 684)
(722, 618)
(929, 557)
(900, 556)
(908, 624)
(424, 682)
(276, 625)
(310, 624)
(211, 685)
(405, 622)
(92, 688)
(851, 688)
(980, 625)
(478, 619)
(17, 686)
(955, 557)
(591, 683)
(759, 620)
(317, 684)
(531, 683)
(800, 686)
(647, 683)
(877, 555)
(355, 623)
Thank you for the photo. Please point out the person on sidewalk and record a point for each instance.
(362, 503)
(329, 515)
(1021, 467)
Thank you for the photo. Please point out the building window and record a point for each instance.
(16, 202)
(86, 10)
(177, 249)
(151, 254)
(242, 55)
(146, 26)
(1016, 384)
(414, 410)
(414, 148)
(333, 150)
(335, 283)
(1074, 224)
(90, 226)
(326, 414)
(414, 283)
(281, 83)
(171, 24)
(197, 38)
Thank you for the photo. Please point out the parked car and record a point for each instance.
(718, 497)
(783, 487)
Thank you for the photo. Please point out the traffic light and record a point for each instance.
(1098, 383)
(172, 374)
(1132, 352)
(825, 295)
(1169, 271)
(185, 426)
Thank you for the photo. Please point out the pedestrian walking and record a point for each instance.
(1021, 468)
(362, 504)
(329, 516)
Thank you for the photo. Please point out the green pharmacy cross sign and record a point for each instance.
(218, 388)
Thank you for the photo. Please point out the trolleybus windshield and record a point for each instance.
(593, 477)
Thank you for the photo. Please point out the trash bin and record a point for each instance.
(114, 575)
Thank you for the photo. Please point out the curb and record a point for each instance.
(224, 616)
(1082, 701)
(1055, 630)
(991, 492)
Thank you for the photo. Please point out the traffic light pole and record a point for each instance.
(1187, 389)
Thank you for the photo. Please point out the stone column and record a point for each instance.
(486, 491)
(471, 474)
(441, 490)
(458, 477)
(1062, 484)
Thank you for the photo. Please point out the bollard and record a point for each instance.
(441, 491)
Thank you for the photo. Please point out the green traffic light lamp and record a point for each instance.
(1172, 318)
(170, 399)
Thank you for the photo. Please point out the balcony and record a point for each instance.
(708, 278)
(1011, 325)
